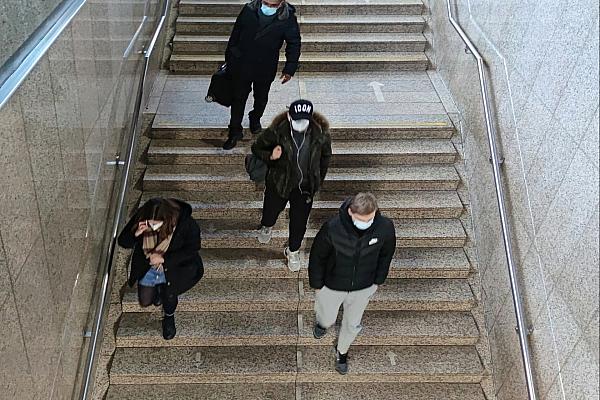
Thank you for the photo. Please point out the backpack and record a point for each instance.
(256, 168)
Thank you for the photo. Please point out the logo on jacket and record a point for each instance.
(373, 241)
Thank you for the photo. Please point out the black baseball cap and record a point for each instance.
(301, 109)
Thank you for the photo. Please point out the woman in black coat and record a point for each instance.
(165, 263)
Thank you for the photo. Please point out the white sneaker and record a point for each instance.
(293, 258)
(264, 235)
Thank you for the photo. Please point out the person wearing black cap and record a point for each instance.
(297, 149)
(252, 57)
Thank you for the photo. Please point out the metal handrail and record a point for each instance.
(36, 46)
(522, 329)
(104, 292)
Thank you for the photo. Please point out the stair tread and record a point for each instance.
(320, 38)
(401, 123)
(406, 228)
(239, 262)
(421, 146)
(392, 391)
(278, 364)
(323, 57)
(253, 200)
(310, 2)
(237, 172)
(309, 391)
(329, 19)
(281, 328)
(283, 294)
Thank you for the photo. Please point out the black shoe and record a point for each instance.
(255, 127)
(231, 142)
(319, 332)
(168, 327)
(341, 362)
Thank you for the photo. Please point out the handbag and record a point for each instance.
(256, 168)
(221, 87)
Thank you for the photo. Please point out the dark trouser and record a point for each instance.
(242, 88)
(147, 294)
(299, 211)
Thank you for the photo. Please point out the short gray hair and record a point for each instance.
(363, 203)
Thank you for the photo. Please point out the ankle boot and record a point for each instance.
(168, 327)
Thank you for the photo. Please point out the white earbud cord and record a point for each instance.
(298, 154)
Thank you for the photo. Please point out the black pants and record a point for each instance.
(242, 88)
(148, 294)
(300, 206)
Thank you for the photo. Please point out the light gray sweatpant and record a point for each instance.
(327, 306)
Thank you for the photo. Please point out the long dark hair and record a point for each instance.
(166, 210)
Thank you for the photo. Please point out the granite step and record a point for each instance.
(304, 391)
(248, 205)
(228, 234)
(347, 153)
(313, 42)
(184, 365)
(234, 178)
(272, 328)
(408, 263)
(181, 127)
(390, 391)
(230, 8)
(212, 295)
(315, 62)
(313, 24)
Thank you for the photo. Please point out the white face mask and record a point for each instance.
(268, 11)
(362, 225)
(300, 125)
(155, 226)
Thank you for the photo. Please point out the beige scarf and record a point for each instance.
(150, 244)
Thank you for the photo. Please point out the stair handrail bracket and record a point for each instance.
(522, 329)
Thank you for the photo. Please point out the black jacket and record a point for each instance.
(282, 172)
(183, 265)
(342, 260)
(254, 53)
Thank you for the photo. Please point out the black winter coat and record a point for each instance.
(281, 173)
(183, 265)
(253, 53)
(342, 260)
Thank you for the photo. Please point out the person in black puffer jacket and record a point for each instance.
(252, 57)
(165, 262)
(350, 257)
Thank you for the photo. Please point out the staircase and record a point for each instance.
(245, 332)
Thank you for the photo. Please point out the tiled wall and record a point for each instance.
(543, 64)
(69, 117)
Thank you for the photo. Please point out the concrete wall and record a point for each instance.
(70, 116)
(543, 63)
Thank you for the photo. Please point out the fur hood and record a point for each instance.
(317, 119)
(284, 12)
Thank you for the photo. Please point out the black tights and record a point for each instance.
(147, 295)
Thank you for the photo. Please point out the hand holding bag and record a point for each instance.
(221, 87)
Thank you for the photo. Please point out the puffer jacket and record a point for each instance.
(343, 260)
(281, 174)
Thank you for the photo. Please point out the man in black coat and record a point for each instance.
(350, 257)
(252, 57)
